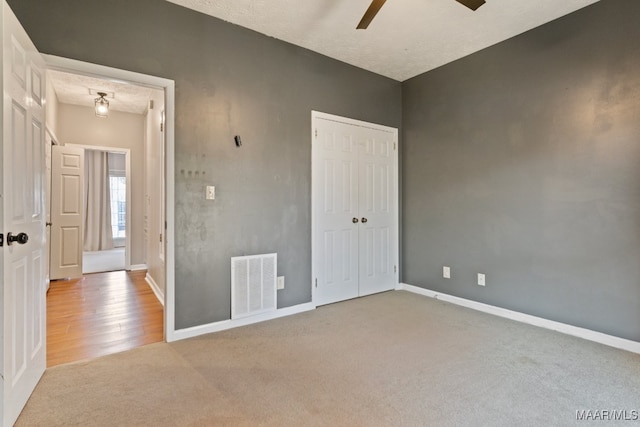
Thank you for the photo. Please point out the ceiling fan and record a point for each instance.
(377, 4)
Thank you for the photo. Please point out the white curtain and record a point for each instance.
(97, 218)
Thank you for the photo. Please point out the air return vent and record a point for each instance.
(253, 285)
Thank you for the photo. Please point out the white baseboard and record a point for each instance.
(223, 325)
(137, 267)
(155, 288)
(575, 331)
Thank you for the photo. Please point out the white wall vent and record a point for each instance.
(253, 285)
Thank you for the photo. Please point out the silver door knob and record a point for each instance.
(364, 220)
(354, 220)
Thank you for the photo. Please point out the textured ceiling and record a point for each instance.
(407, 37)
(80, 90)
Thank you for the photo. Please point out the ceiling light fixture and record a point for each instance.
(102, 106)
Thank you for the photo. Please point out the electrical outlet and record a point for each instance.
(210, 193)
(481, 279)
(280, 282)
(446, 272)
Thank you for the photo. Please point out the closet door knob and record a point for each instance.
(354, 220)
(364, 220)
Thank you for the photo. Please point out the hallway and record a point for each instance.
(101, 314)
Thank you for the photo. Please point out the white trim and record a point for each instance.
(317, 115)
(114, 74)
(137, 267)
(155, 288)
(163, 205)
(223, 325)
(169, 206)
(354, 122)
(128, 224)
(54, 138)
(587, 334)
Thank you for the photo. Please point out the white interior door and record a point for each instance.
(355, 208)
(336, 217)
(67, 187)
(22, 211)
(377, 195)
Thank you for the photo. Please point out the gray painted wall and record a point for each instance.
(229, 81)
(522, 161)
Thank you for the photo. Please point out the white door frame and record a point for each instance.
(127, 154)
(315, 116)
(50, 141)
(114, 74)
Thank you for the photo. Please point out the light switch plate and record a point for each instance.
(210, 193)
(280, 282)
(446, 272)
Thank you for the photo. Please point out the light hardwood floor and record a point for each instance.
(99, 314)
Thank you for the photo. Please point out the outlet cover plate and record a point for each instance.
(446, 272)
(481, 279)
(280, 282)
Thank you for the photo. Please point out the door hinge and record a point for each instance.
(395, 268)
(316, 132)
(1, 240)
(394, 146)
(160, 237)
(161, 127)
(316, 282)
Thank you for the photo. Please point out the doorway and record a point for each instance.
(124, 223)
(93, 238)
(111, 142)
(110, 229)
(99, 241)
(354, 208)
(107, 183)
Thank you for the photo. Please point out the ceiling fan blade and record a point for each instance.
(370, 14)
(472, 4)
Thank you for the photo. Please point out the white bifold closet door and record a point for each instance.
(355, 236)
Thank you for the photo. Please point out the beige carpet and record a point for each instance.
(393, 359)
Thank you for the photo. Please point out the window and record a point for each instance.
(118, 194)
(118, 187)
